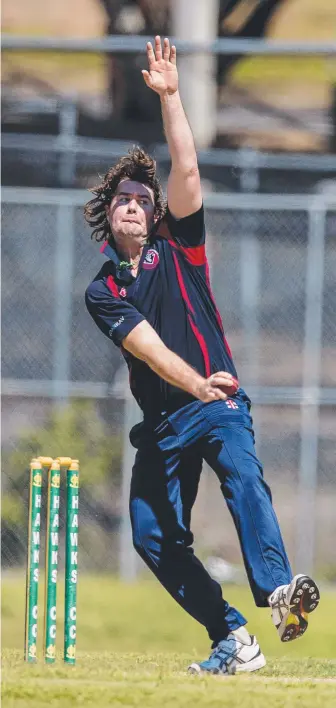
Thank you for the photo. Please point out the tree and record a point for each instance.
(79, 431)
(129, 99)
(253, 18)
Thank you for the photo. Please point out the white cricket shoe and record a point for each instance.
(237, 653)
(291, 604)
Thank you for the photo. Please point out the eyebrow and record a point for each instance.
(129, 194)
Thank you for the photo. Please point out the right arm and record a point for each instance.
(184, 184)
(122, 323)
(185, 215)
(145, 344)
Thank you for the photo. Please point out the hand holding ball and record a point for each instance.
(225, 382)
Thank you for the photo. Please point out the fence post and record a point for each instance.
(67, 140)
(305, 534)
(63, 278)
(197, 71)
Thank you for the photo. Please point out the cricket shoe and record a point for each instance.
(291, 604)
(237, 653)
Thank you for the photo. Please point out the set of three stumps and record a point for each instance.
(54, 466)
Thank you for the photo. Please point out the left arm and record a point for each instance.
(184, 185)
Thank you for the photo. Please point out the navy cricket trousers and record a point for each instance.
(164, 485)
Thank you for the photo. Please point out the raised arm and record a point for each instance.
(184, 186)
(145, 344)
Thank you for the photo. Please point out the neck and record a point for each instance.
(130, 252)
(130, 255)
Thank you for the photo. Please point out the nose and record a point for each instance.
(132, 206)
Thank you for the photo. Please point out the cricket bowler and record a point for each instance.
(152, 298)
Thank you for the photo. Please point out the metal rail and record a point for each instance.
(135, 43)
(216, 157)
(261, 395)
(219, 200)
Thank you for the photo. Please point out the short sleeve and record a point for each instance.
(189, 231)
(115, 317)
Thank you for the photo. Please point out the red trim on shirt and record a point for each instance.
(203, 346)
(112, 286)
(102, 248)
(197, 333)
(181, 284)
(195, 255)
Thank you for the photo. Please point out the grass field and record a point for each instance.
(134, 644)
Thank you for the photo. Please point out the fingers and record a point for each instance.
(166, 49)
(221, 379)
(219, 386)
(150, 54)
(153, 55)
(219, 394)
(158, 48)
(226, 374)
(147, 78)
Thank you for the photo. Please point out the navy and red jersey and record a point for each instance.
(172, 292)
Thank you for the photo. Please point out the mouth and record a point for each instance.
(132, 221)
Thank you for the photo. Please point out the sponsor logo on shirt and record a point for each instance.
(231, 404)
(151, 259)
(115, 325)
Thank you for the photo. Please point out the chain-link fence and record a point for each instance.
(273, 267)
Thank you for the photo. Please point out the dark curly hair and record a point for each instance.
(138, 166)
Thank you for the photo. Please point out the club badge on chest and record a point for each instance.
(151, 259)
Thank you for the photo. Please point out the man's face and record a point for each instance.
(131, 212)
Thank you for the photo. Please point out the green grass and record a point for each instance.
(134, 644)
(153, 680)
(300, 69)
(63, 60)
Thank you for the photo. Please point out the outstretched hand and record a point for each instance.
(162, 74)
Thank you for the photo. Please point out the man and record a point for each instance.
(153, 299)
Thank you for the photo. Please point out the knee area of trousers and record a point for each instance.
(255, 485)
(146, 545)
(251, 477)
(146, 532)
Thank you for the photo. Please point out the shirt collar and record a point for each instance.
(123, 273)
(110, 253)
